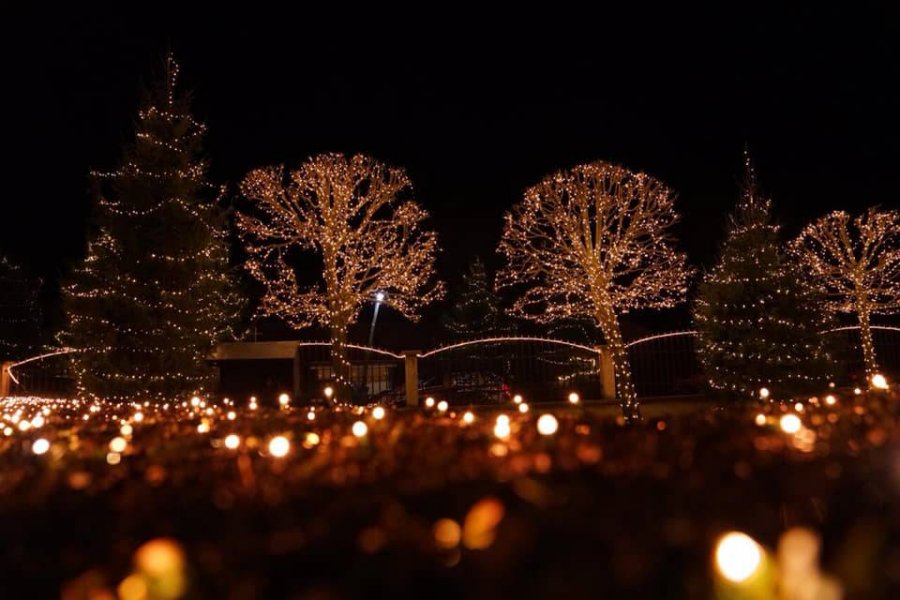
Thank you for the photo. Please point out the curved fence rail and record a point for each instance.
(483, 370)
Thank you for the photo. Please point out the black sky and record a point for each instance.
(475, 108)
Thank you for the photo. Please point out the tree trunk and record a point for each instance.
(340, 363)
(868, 346)
(609, 324)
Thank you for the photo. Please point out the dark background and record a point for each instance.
(475, 107)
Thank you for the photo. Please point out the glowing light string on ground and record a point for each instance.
(496, 340)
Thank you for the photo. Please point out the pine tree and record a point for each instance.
(758, 325)
(20, 314)
(476, 309)
(155, 291)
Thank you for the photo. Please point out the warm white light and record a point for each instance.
(468, 417)
(738, 556)
(360, 429)
(830, 400)
(857, 391)
(203, 427)
(310, 416)
(328, 391)
(518, 398)
(501, 429)
(40, 446)
(523, 408)
(379, 296)
(138, 417)
(231, 416)
(429, 402)
(118, 444)
(126, 429)
(232, 441)
(879, 381)
(790, 423)
(760, 419)
(279, 446)
(37, 422)
(284, 400)
(443, 406)
(547, 424)
(763, 393)
(378, 413)
(799, 407)
(195, 401)
(574, 398)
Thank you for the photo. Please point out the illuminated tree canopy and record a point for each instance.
(855, 264)
(595, 242)
(355, 215)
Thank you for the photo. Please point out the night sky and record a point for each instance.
(476, 109)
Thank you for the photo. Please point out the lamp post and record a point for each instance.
(380, 297)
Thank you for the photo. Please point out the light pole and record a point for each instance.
(380, 297)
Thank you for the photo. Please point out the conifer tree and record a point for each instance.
(758, 325)
(476, 310)
(155, 291)
(20, 314)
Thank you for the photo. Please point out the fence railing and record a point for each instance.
(475, 371)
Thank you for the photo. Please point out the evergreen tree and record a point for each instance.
(20, 314)
(155, 291)
(758, 325)
(476, 309)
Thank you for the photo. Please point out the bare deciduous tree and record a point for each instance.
(594, 242)
(352, 213)
(855, 264)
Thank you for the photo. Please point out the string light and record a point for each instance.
(593, 242)
(879, 382)
(856, 268)
(790, 423)
(349, 212)
(468, 417)
(232, 441)
(442, 406)
(378, 413)
(429, 402)
(360, 429)
(40, 446)
(279, 446)
(284, 400)
(547, 424)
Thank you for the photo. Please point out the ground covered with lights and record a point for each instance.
(210, 499)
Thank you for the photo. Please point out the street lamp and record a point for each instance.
(380, 297)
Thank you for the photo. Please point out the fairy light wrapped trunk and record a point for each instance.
(594, 242)
(855, 264)
(353, 213)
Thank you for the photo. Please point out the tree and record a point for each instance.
(758, 325)
(353, 214)
(855, 265)
(476, 309)
(594, 241)
(20, 314)
(155, 291)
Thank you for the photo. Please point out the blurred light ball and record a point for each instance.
(310, 416)
(195, 401)
(232, 441)
(799, 407)
(359, 429)
(790, 423)
(447, 533)
(138, 417)
(279, 446)
(429, 402)
(574, 398)
(517, 398)
(328, 391)
(501, 429)
(443, 406)
(284, 400)
(738, 556)
(40, 446)
(468, 417)
(764, 393)
(857, 391)
(378, 413)
(118, 444)
(760, 419)
(547, 424)
(126, 429)
(523, 408)
(879, 381)
(830, 400)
